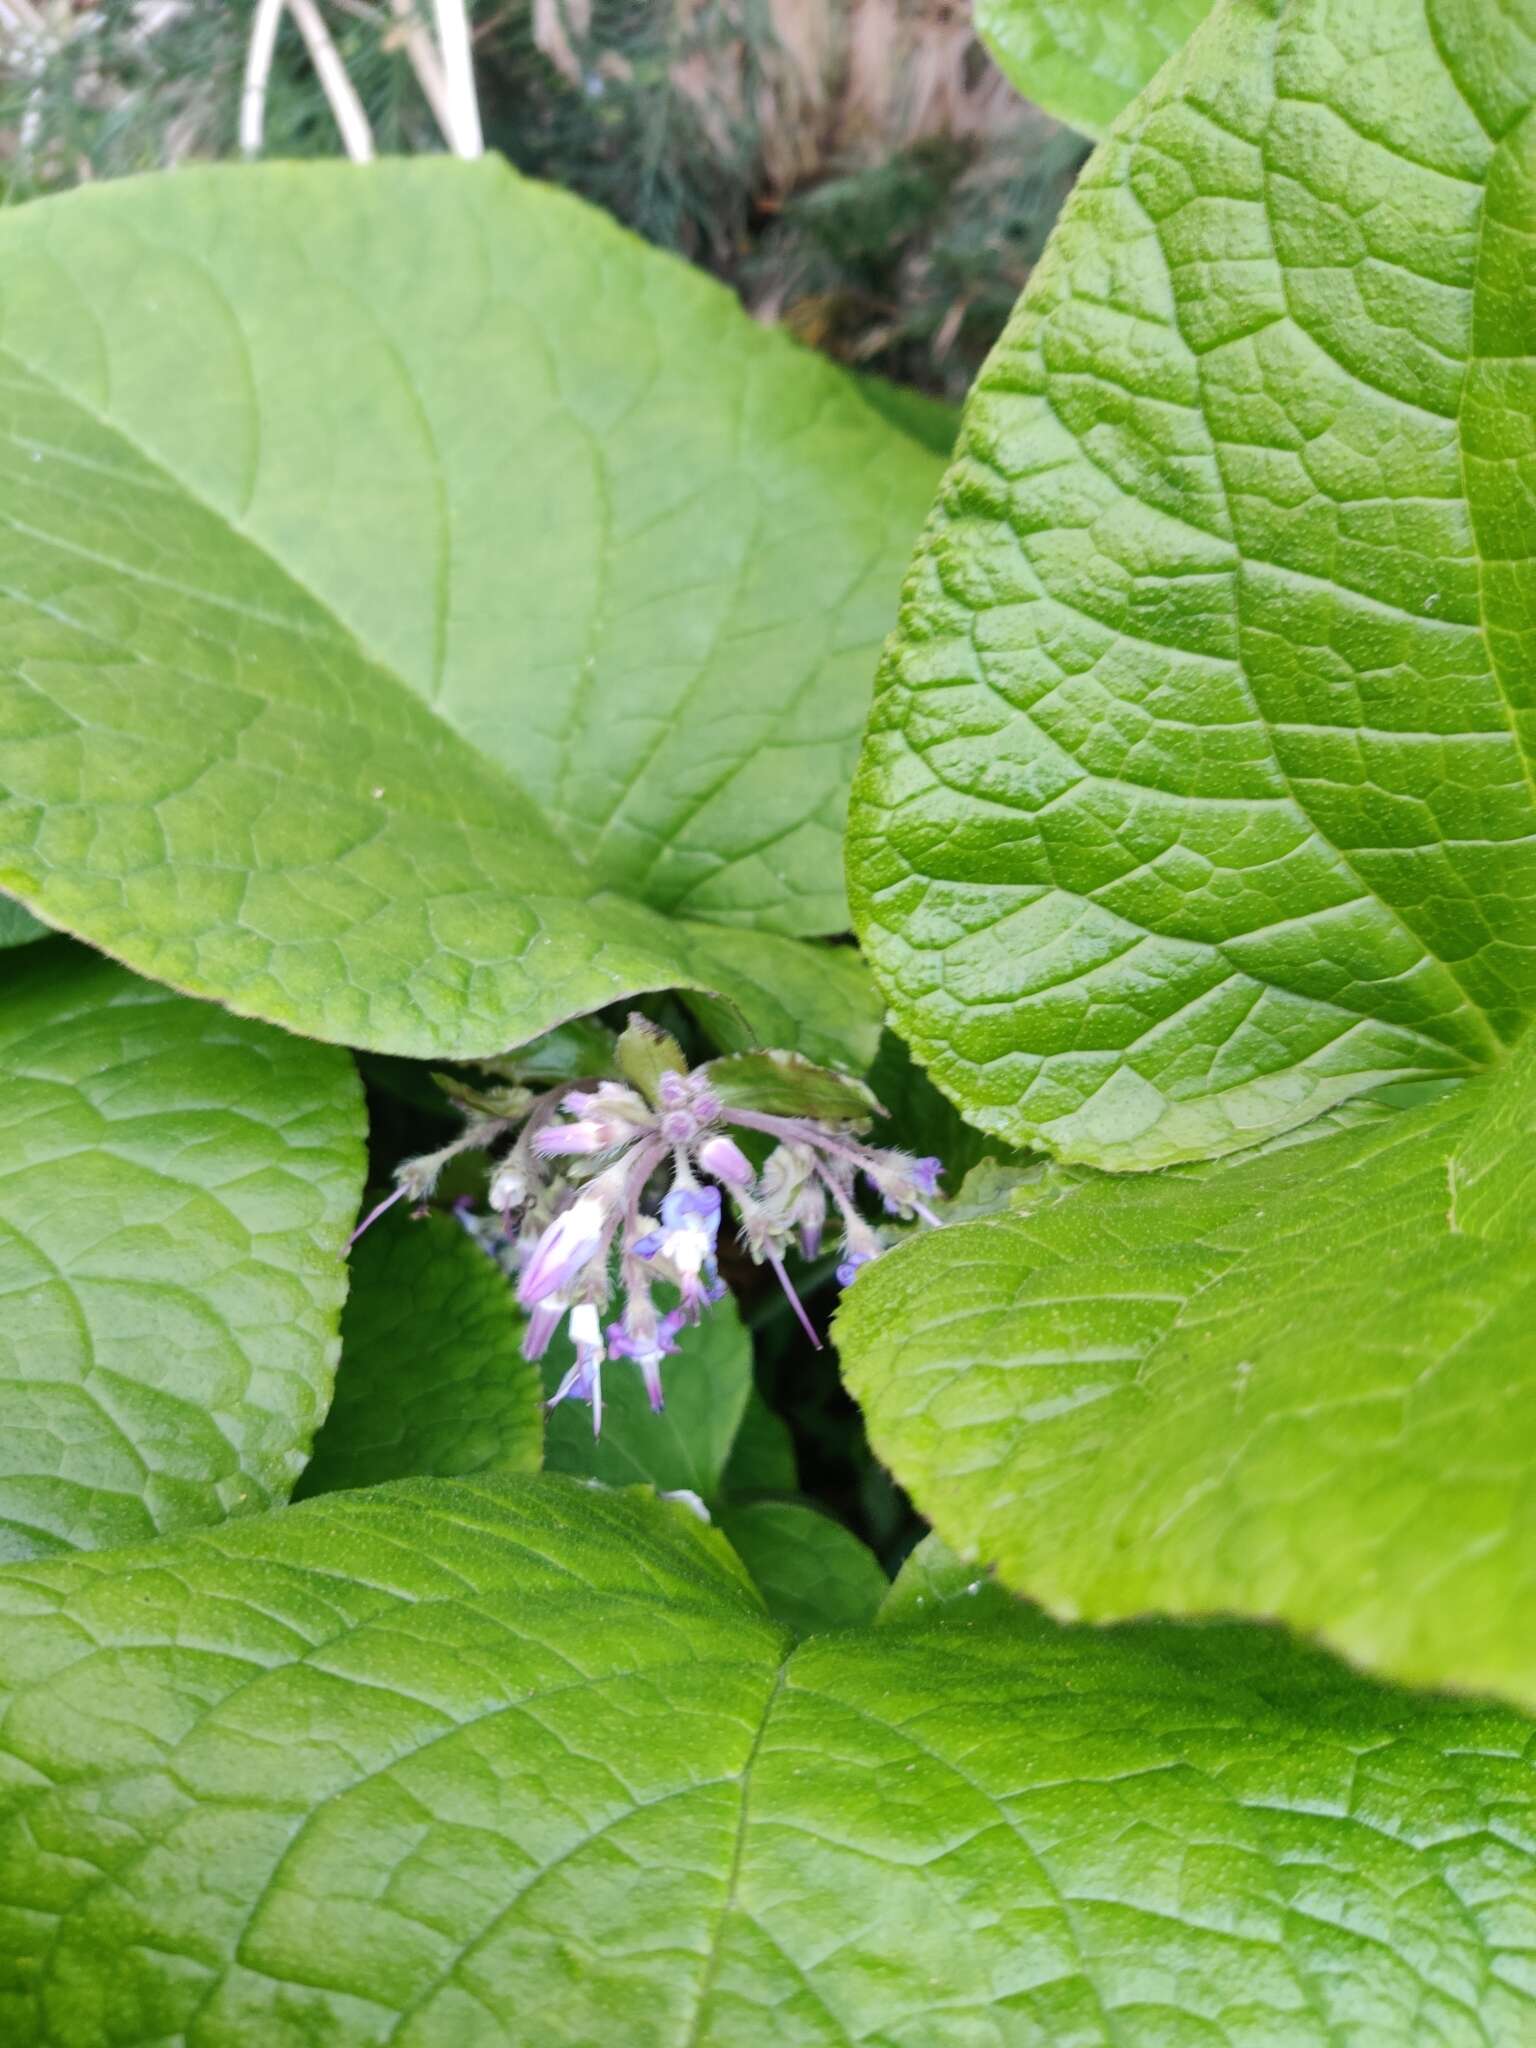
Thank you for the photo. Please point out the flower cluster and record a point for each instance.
(611, 1191)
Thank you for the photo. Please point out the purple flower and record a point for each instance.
(605, 1116)
(848, 1271)
(543, 1321)
(571, 1242)
(557, 1141)
(584, 1381)
(901, 1183)
(645, 1340)
(724, 1159)
(690, 1220)
(692, 1209)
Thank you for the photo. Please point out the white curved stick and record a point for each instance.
(459, 72)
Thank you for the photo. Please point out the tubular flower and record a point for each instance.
(609, 1187)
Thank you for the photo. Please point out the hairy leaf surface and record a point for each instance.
(421, 602)
(1198, 790)
(1297, 1382)
(176, 1186)
(457, 1763)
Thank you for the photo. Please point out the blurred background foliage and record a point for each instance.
(856, 169)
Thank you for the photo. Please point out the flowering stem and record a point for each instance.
(373, 1216)
(794, 1300)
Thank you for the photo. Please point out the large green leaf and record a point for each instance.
(458, 1765)
(421, 601)
(1298, 1382)
(1198, 789)
(1083, 59)
(432, 1378)
(175, 1189)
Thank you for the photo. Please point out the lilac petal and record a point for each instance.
(373, 1216)
(556, 1140)
(650, 1373)
(724, 1158)
(584, 1382)
(794, 1300)
(540, 1328)
(696, 1208)
(648, 1246)
(562, 1251)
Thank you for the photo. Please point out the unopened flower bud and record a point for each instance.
(508, 1189)
(723, 1159)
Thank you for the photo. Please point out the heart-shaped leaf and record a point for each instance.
(176, 1187)
(422, 601)
(454, 1764)
(1298, 1382)
(1082, 60)
(1198, 793)
(432, 1377)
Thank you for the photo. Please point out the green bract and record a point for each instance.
(422, 604)
(1198, 790)
(453, 1764)
(1083, 59)
(176, 1187)
(1294, 1383)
